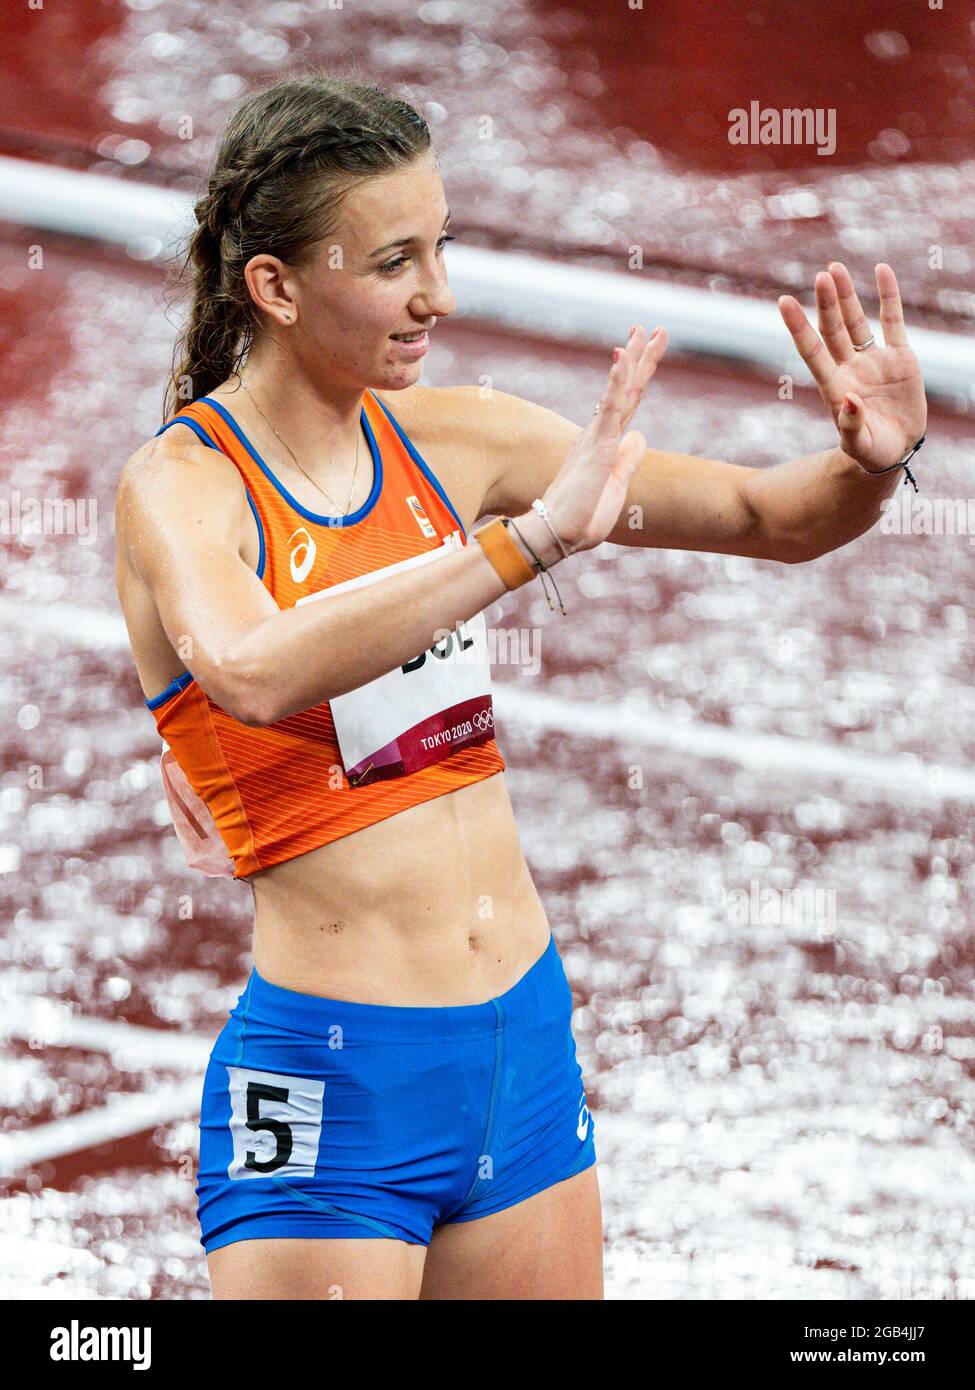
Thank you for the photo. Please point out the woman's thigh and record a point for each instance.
(547, 1247)
(311, 1268)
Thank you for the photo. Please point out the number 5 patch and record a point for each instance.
(275, 1121)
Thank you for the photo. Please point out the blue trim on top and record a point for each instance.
(262, 553)
(198, 430)
(353, 517)
(191, 424)
(183, 680)
(421, 464)
(179, 683)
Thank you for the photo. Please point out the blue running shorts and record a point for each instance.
(329, 1118)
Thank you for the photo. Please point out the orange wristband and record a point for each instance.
(504, 555)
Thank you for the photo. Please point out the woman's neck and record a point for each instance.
(318, 423)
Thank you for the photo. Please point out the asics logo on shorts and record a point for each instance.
(582, 1128)
(306, 548)
(484, 719)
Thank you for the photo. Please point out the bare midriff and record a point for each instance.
(433, 906)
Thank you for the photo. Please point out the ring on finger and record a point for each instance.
(862, 347)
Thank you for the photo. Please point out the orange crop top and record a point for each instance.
(415, 733)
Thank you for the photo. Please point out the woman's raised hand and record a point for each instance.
(875, 396)
(587, 495)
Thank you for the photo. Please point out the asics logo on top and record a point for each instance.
(302, 555)
(582, 1128)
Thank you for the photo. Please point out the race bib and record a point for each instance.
(422, 711)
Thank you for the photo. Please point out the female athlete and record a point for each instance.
(394, 1108)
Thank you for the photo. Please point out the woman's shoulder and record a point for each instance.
(428, 407)
(176, 468)
(450, 423)
(442, 424)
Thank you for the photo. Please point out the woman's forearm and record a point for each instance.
(815, 504)
(302, 656)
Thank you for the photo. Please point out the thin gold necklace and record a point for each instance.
(292, 453)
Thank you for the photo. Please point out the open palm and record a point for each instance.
(876, 397)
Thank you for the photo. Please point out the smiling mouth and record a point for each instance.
(409, 337)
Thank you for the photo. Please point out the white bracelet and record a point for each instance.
(540, 507)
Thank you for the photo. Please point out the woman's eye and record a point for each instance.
(392, 266)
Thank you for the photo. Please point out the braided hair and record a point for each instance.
(289, 155)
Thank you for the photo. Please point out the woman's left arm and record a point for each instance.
(790, 512)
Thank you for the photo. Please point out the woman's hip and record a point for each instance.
(386, 1120)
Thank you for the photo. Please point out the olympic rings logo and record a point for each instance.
(484, 719)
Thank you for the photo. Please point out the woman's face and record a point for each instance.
(380, 272)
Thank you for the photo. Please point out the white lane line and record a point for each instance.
(91, 205)
(47, 1023)
(564, 302)
(611, 721)
(572, 303)
(124, 1115)
(774, 754)
(92, 629)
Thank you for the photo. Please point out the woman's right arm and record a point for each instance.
(179, 523)
(179, 515)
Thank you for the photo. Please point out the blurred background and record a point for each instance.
(745, 788)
